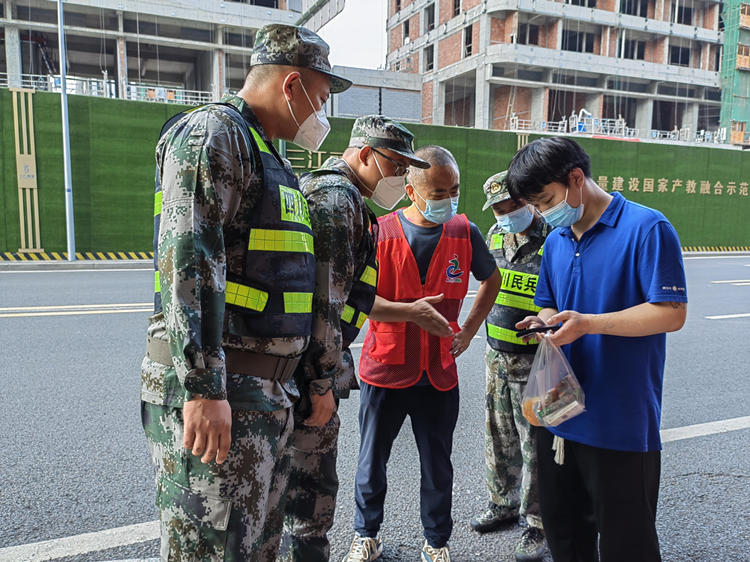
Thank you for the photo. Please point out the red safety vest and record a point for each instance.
(395, 354)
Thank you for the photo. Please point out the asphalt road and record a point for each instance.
(73, 459)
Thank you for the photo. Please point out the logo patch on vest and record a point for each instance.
(293, 206)
(453, 273)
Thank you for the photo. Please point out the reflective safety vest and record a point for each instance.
(515, 300)
(273, 296)
(362, 295)
(395, 354)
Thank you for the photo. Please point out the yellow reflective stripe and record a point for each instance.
(370, 276)
(518, 282)
(297, 302)
(262, 146)
(157, 282)
(496, 242)
(280, 241)
(246, 297)
(541, 250)
(348, 314)
(504, 334)
(516, 301)
(157, 202)
(361, 319)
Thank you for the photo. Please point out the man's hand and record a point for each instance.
(461, 342)
(323, 406)
(574, 325)
(531, 322)
(208, 428)
(424, 315)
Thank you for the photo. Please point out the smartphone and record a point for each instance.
(530, 331)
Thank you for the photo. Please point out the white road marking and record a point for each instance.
(95, 270)
(726, 316)
(703, 429)
(740, 257)
(81, 544)
(142, 532)
(74, 312)
(743, 284)
(731, 281)
(73, 306)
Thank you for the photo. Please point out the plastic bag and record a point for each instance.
(553, 394)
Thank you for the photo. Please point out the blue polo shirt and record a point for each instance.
(630, 256)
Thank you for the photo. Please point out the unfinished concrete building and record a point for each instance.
(642, 67)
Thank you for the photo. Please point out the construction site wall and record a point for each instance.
(702, 190)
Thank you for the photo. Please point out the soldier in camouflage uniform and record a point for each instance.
(345, 281)
(233, 304)
(516, 242)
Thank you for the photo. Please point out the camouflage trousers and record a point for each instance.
(220, 512)
(311, 493)
(510, 452)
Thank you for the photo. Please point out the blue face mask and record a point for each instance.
(563, 214)
(516, 221)
(439, 211)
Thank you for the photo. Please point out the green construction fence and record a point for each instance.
(702, 190)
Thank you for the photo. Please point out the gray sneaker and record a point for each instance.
(364, 549)
(494, 517)
(531, 545)
(430, 554)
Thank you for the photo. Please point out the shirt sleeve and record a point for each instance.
(337, 226)
(544, 296)
(202, 178)
(661, 272)
(482, 263)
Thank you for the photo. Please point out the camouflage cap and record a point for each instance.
(378, 131)
(496, 189)
(292, 45)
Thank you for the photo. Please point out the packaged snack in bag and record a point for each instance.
(553, 393)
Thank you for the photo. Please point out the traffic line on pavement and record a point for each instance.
(75, 312)
(731, 281)
(72, 307)
(82, 544)
(727, 316)
(91, 270)
(143, 532)
(703, 429)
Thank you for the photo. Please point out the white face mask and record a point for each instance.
(388, 191)
(313, 130)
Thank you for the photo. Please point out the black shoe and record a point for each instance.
(493, 517)
(531, 546)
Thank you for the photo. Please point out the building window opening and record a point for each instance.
(429, 17)
(406, 32)
(682, 14)
(634, 8)
(456, 8)
(528, 34)
(679, 56)
(468, 40)
(632, 49)
(429, 58)
(578, 41)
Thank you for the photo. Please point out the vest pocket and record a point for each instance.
(389, 345)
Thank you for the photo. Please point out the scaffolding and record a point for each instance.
(735, 72)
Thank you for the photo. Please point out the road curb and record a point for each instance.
(57, 265)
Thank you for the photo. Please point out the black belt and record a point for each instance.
(269, 367)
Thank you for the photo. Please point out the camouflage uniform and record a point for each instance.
(509, 443)
(343, 246)
(211, 186)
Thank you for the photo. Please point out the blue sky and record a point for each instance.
(357, 35)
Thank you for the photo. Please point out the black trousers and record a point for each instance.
(598, 493)
(382, 412)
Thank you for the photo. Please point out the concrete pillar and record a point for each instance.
(595, 104)
(121, 55)
(644, 115)
(218, 67)
(538, 104)
(482, 99)
(690, 117)
(438, 103)
(13, 60)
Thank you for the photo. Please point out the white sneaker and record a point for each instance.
(430, 554)
(364, 549)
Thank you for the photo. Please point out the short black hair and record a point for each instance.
(542, 162)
